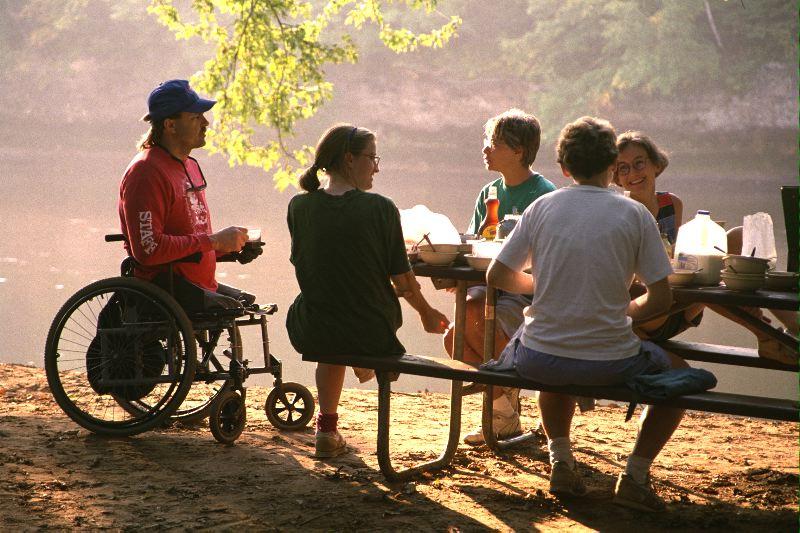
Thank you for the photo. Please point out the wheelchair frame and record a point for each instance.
(142, 358)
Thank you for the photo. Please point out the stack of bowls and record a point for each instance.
(744, 273)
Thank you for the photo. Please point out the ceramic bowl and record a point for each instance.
(743, 282)
(781, 281)
(438, 258)
(486, 248)
(744, 264)
(478, 263)
(681, 276)
(440, 248)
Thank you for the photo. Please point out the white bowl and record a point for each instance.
(486, 248)
(478, 263)
(744, 264)
(447, 248)
(781, 281)
(739, 282)
(681, 276)
(437, 258)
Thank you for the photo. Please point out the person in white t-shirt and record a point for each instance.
(584, 244)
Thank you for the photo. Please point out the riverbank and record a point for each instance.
(718, 473)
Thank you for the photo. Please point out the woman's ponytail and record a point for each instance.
(309, 181)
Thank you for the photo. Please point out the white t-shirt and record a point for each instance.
(584, 245)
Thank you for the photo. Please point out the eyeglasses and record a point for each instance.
(192, 187)
(375, 158)
(623, 169)
(493, 144)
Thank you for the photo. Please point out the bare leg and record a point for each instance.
(788, 319)
(645, 330)
(556, 411)
(473, 338)
(657, 424)
(330, 379)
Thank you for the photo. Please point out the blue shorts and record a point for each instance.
(555, 370)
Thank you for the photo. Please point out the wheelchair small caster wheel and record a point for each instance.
(228, 416)
(289, 406)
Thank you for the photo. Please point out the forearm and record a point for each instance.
(502, 277)
(656, 301)
(408, 286)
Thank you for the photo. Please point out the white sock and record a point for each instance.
(561, 450)
(502, 406)
(638, 468)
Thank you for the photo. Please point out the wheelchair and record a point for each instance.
(123, 356)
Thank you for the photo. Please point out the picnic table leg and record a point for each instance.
(757, 323)
(488, 408)
(384, 406)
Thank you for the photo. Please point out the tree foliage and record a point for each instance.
(268, 69)
(591, 54)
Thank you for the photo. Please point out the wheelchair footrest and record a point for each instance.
(266, 309)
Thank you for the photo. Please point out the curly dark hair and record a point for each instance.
(587, 147)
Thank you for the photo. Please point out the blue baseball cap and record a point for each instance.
(172, 97)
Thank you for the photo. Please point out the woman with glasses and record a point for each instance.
(639, 163)
(350, 261)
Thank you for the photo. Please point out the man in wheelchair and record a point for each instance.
(163, 210)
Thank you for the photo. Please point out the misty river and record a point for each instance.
(55, 207)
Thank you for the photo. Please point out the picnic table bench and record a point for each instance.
(458, 373)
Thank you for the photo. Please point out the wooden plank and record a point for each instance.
(724, 355)
(717, 402)
(723, 296)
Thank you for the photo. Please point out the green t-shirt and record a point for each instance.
(344, 248)
(519, 196)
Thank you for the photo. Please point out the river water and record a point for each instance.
(55, 210)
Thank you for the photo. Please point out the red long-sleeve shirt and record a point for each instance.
(162, 220)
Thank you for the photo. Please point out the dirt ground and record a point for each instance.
(718, 473)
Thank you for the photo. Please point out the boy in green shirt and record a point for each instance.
(510, 146)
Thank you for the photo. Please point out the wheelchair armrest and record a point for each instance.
(115, 237)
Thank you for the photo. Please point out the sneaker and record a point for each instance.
(566, 481)
(329, 444)
(628, 493)
(504, 426)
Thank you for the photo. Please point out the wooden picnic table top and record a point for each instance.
(691, 294)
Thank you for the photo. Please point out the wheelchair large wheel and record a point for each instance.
(289, 406)
(117, 341)
(200, 399)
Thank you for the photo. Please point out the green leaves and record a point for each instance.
(267, 72)
(588, 55)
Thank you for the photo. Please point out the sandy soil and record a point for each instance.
(718, 473)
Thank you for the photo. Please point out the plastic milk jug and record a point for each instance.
(695, 248)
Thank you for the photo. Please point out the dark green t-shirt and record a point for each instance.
(344, 248)
(519, 196)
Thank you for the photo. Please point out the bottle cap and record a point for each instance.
(492, 192)
(703, 212)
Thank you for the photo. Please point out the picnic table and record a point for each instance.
(455, 370)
